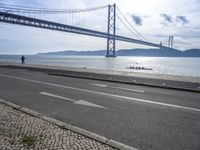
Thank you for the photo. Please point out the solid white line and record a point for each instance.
(102, 93)
(101, 85)
(133, 90)
(56, 96)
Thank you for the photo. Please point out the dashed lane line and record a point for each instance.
(133, 90)
(79, 102)
(127, 89)
(56, 96)
(100, 85)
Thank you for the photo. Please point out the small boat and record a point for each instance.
(138, 68)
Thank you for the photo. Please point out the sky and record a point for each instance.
(154, 19)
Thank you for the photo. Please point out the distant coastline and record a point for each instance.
(132, 52)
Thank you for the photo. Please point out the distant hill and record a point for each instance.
(133, 52)
(77, 53)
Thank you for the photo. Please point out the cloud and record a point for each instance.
(182, 19)
(167, 18)
(137, 20)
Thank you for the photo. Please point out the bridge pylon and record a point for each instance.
(111, 31)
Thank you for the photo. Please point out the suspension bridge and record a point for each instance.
(79, 21)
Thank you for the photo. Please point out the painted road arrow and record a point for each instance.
(79, 102)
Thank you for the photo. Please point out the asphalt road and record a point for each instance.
(144, 117)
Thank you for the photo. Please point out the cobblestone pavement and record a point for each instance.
(20, 131)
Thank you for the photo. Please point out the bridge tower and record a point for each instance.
(171, 41)
(111, 31)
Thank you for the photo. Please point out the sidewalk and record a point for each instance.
(21, 131)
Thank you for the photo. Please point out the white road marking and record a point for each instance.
(133, 90)
(102, 93)
(101, 85)
(86, 103)
(163, 84)
(57, 96)
(79, 102)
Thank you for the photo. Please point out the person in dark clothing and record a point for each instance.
(23, 59)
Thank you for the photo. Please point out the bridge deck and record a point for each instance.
(33, 22)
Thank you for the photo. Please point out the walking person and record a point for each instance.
(23, 59)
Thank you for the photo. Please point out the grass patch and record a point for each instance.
(28, 140)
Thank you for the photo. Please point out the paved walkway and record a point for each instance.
(20, 131)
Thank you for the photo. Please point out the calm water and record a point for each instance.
(159, 65)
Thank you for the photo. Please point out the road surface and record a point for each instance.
(144, 117)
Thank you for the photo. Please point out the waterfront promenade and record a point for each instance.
(156, 80)
(162, 112)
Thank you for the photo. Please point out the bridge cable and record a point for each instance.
(47, 10)
(131, 25)
(129, 28)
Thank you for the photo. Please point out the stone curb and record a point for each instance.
(75, 129)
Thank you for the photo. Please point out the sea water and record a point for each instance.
(185, 66)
